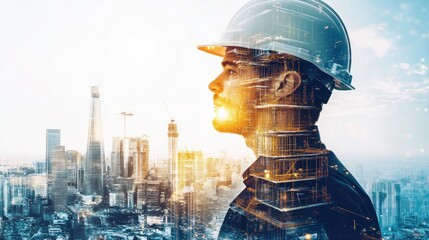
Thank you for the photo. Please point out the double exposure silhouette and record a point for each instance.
(281, 62)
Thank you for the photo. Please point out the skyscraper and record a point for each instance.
(173, 176)
(6, 196)
(386, 198)
(130, 158)
(59, 179)
(190, 183)
(40, 166)
(73, 159)
(2, 194)
(53, 139)
(93, 167)
(141, 162)
(172, 154)
(117, 157)
(190, 170)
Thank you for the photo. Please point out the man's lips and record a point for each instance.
(218, 101)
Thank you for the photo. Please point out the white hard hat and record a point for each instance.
(307, 29)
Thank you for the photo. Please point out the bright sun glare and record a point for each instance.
(221, 113)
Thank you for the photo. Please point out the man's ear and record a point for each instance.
(286, 83)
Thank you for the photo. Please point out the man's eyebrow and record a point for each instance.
(225, 63)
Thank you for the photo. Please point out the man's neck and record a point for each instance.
(285, 143)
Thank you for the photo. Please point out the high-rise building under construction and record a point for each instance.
(172, 168)
(93, 166)
(173, 177)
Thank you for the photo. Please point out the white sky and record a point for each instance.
(143, 55)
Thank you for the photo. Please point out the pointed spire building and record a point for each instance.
(93, 167)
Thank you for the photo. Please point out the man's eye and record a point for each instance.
(231, 72)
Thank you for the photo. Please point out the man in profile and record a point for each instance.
(281, 61)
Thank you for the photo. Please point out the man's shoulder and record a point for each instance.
(335, 163)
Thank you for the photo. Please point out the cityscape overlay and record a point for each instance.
(125, 195)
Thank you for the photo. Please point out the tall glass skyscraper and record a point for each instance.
(59, 177)
(93, 167)
(53, 139)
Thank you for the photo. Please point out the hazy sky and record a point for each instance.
(143, 55)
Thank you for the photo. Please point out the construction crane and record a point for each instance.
(125, 114)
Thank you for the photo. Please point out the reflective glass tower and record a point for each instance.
(93, 167)
(53, 139)
(59, 179)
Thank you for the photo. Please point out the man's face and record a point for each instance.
(236, 92)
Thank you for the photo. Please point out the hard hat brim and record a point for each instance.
(213, 49)
(340, 85)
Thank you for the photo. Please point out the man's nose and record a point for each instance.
(216, 85)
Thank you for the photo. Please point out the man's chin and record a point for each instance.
(218, 125)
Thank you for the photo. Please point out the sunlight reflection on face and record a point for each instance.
(222, 113)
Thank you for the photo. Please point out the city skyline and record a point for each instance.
(23, 207)
(52, 52)
(150, 164)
